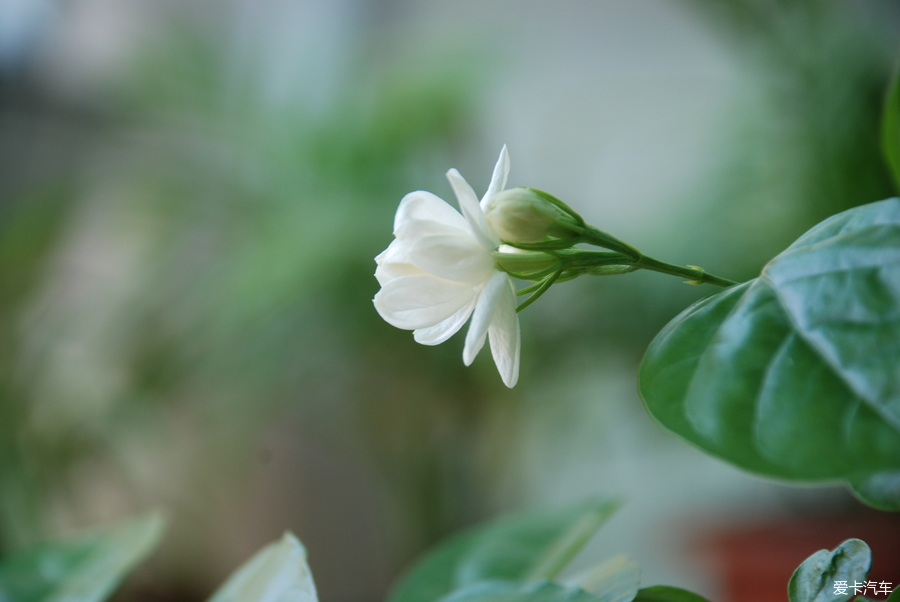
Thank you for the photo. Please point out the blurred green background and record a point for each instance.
(191, 195)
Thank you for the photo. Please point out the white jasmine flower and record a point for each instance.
(440, 270)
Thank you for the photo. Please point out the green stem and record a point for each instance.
(600, 238)
(581, 259)
(693, 274)
(575, 262)
(542, 288)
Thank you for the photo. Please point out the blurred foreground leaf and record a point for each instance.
(87, 569)
(277, 573)
(794, 374)
(616, 579)
(510, 591)
(531, 546)
(666, 593)
(814, 580)
(890, 129)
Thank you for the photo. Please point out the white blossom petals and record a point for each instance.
(421, 300)
(393, 262)
(504, 336)
(386, 273)
(468, 204)
(498, 179)
(455, 257)
(395, 253)
(483, 314)
(440, 332)
(440, 271)
(421, 214)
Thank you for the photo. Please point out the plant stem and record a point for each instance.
(695, 275)
(542, 288)
(599, 238)
(574, 262)
(639, 260)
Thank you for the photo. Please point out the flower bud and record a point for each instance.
(513, 260)
(520, 215)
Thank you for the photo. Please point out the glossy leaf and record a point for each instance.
(665, 593)
(511, 591)
(616, 579)
(86, 569)
(814, 580)
(530, 546)
(277, 573)
(794, 374)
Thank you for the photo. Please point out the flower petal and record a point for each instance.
(395, 253)
(483, 314)
(386, 273)
(468, 204)
(421, 213)
(456, 257)
(440, 332)
(498, 179)
(421, 300)
(504, 336)
(393, 262)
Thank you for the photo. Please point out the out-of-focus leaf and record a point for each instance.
(890, 129)
(666, 593)
(616, 579)
(814, 580)
(511, 591)
(277, 573)
(26, 236)
(894, 597)
(880, 490)
(525, 547)
(87, 569)
(793, 374)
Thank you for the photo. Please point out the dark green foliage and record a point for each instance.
(793, 374)
(525, 547)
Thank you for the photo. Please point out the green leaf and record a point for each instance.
(277, 573)
(890, 129)
(511, 591)
(616, 579)
(665, 593)
(880, 490)
(522, 547)
(793, 374)
(814, 580)
(86, 569)
(894, 597)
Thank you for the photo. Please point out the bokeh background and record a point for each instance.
(191, 195)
